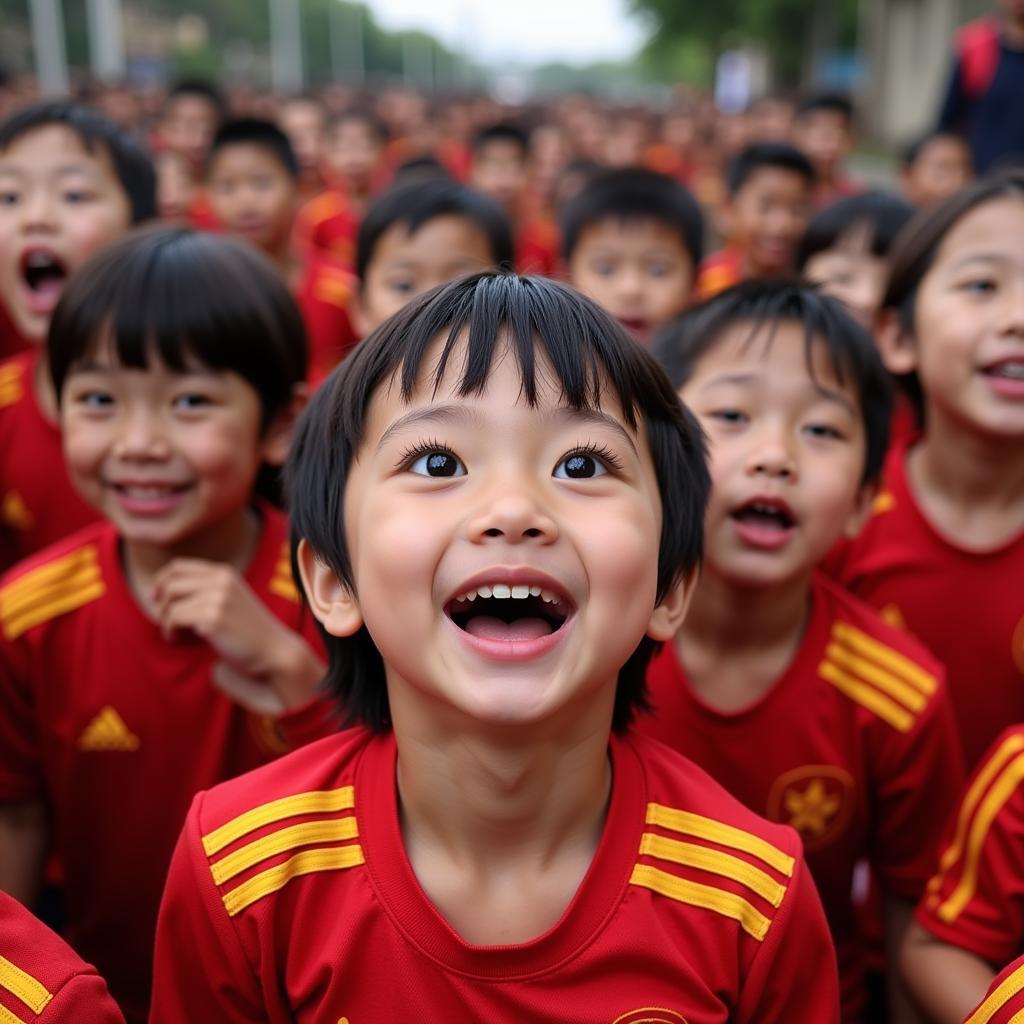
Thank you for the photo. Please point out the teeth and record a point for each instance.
(549, 597)
(39, 259)
(504, 591)
(484, 591)
(501, 591)
(520, 592)
(1013, 370)
(534, 591)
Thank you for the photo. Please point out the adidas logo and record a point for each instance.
(107, 731)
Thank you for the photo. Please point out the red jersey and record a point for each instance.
(717, 272)
(841, 748)
(329, 224)
(976, 899)
(116, 728)
(324, 295)
(42, 981)
(291, 898)
(1004, 1002)
(538, 244)
(967, 606)
(38, 505)
(11, 341)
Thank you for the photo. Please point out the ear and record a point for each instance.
(277, 438)
(334, 604)
(861, 511)
(668, 616)
(895, 344)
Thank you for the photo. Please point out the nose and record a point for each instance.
(140, 438)
(1013, 311)
(37, 210)
(514, 515)
(771, 455)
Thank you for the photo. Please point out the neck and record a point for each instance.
(46, 397)
(284, 259)
(1013, 31)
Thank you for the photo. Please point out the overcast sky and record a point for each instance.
(531, 31)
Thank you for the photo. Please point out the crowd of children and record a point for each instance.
(645, 637)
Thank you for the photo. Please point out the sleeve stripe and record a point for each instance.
(706, 828)
(17, 603)
(63, 602)
(6, 1017)
(903, 692)
(716, 862)
(1001, 791)
(753, 922)
(897, 663)
(994, 1001)
(60, 573)
(23, 986)
(867, 696)
(315, 802)
(306, 834)
(306, 863)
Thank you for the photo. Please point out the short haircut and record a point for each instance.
(200, 87)
(419, 167)
(590, 355)
(132, 164)
(417, 202)
(175, 294)
(505, 131)
(780, 155)
(763, 305)
(886, 215)
(633, 194)
(828, 102)
(253, 131)
(919, 145)
(360, 116)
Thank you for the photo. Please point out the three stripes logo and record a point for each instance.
(107, 731)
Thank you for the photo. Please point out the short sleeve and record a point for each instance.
(1004, 1001)
(21, 776)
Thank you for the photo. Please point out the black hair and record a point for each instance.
(419, 167)
(887, 215)
(589, 354)
(201, 87)
(504, 131)
(779, 155)
(253, 131)
(132, 164)
(920, 144)
(632, 194)
(417, 202)
(360, 116)
(830, 102)
(176, 293)
(763, 305)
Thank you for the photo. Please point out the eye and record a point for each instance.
(8, 198)
(191, 400)
(77, 195)
(730, 416)
(580, 466)
(823, 430)
(438, 463)
(95, 399)
(979, 285)
(402, 287)
(603, 268)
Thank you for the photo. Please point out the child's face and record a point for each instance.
(403, 265)
(637, 270)
(253, 195)
(826, 138)
(59, 204)
(544, 516)
(942, 168)
(787, 455)
(187, 126)
(175, 188)
(167, 457)
(768, 216)
(353, 153)
(850, 272)
(968, 344)
(499, 170)
(303, 122)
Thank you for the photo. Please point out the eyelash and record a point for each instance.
(600, 451)
(421, 448)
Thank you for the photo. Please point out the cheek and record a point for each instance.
(90, 232)
(620, 547)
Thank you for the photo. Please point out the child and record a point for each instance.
(43, 980)
(770, 188)
(71, 182)
(935, 167)
(943, 554)
(304, 121)
(150, 656)
(824, 131)
(422, 234)
(844, 248)
(800, 700)
(490, 845)
(252, 178)
(971, 921)
(633, 240)
(1004, 1001)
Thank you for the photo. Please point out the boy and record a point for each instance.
(934, 168)
(149, 656)
(770, 186)
(824, 131)
(304, 121)
(462, 498)
(797, 698)
(633, 240)
(71, 182)
(419, 235)
(1004, 1001)
(253, 184)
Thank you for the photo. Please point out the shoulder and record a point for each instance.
(1004, 1001)
(329, 203)
(15, 378)
(329, 282)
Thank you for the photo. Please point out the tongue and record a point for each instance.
(48, 286)
(764, 520)
(487, 627)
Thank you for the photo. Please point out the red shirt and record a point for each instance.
(717, 272)
(38, 505)
(329, 224)
(967, 607)
(42, 981)
(1004, 1002)
(842, 748)
(538, 244)
(291, 898)
(976, 899)
(324, 295)
(11, 341)
(116, 728)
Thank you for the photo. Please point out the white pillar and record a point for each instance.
(286, 45)
(348, 57)
(106, 39)
(48, 44)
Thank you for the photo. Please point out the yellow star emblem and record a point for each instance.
(810, 811)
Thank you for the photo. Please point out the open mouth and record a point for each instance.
(509, 612)
(1007, 369)
(765, 514)
(43, 273)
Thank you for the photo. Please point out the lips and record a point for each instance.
(148, 498)
(43, 274)
(764, 522)
(1006, 376)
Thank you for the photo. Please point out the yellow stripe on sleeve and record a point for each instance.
(6, 1017)
(12, 605)
(23, 986)
(50, 574)
(907, 695)
(320, 801)
(1007, 988)
(891, 659)
(867, 696)
(14, 627)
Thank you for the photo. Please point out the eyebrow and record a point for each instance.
(978, 257)
(830, 394)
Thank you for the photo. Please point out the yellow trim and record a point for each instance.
(895, 662)
(1008, 987)
(50, 574)
(306, 863)
(6, 1017)
(884, 501)
(24, 987)
(753, 922)
(330, 830)
(706, 828)
(1001, 791)
(896, 688)
(715, 861)
(1006, 750)
(10, 394)
(320, 801)
(76, 579)
(13, 628)
(11, 370)
(867, 696)
(284, 587)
